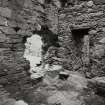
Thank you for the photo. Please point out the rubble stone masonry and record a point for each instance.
(18, 20)
(82, 36)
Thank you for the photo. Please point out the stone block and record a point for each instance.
(99, 81)
(4, 100)
(24, 33)
(63, 75)
(102, 40)
(9, 102)
(4, 45)
(3, 21)
(7, 30)
(12, 23)
(36, 76)
(2, 38)
(5, 12)
(99, 2)
(90, 3)
(41, 1)
(99, 51)
(3, 81)
(28, 4)
(92, 32)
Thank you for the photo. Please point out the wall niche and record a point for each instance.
(81, 42)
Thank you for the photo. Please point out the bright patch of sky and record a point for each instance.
(33, 51)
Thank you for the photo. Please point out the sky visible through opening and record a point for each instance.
(33, 53)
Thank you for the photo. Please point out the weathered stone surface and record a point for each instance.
(8, 30)
(3, 21)
(99, 51)
(35, 76)
(63, 75)
(24, 33)
(28, 4)
(14, 30)
(102, 40)
(72, 41)
(99, 81)
(90, 3)
(63, 92)
(19, 19)
(8, 102)
(98, 84)
(99, 2)
(41, 1)
(4, 99)
(64, 98)
(2, 38)
(5, 12)
(53, 67)
(93, 32)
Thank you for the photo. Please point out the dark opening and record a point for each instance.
(78, 35)
(24, 39)
(63, 2)
(47, 1)
(100, 91)
(63, 76)
(17, 28)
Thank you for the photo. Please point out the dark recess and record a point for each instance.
(78, 35)
(17, 28)
(100, 91)
(24, 39)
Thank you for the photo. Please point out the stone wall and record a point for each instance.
(18, 20)
(79, 30)
(81, 35)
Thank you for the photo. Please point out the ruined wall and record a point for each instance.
(18, 20)
(21, 19)
(82, 36)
